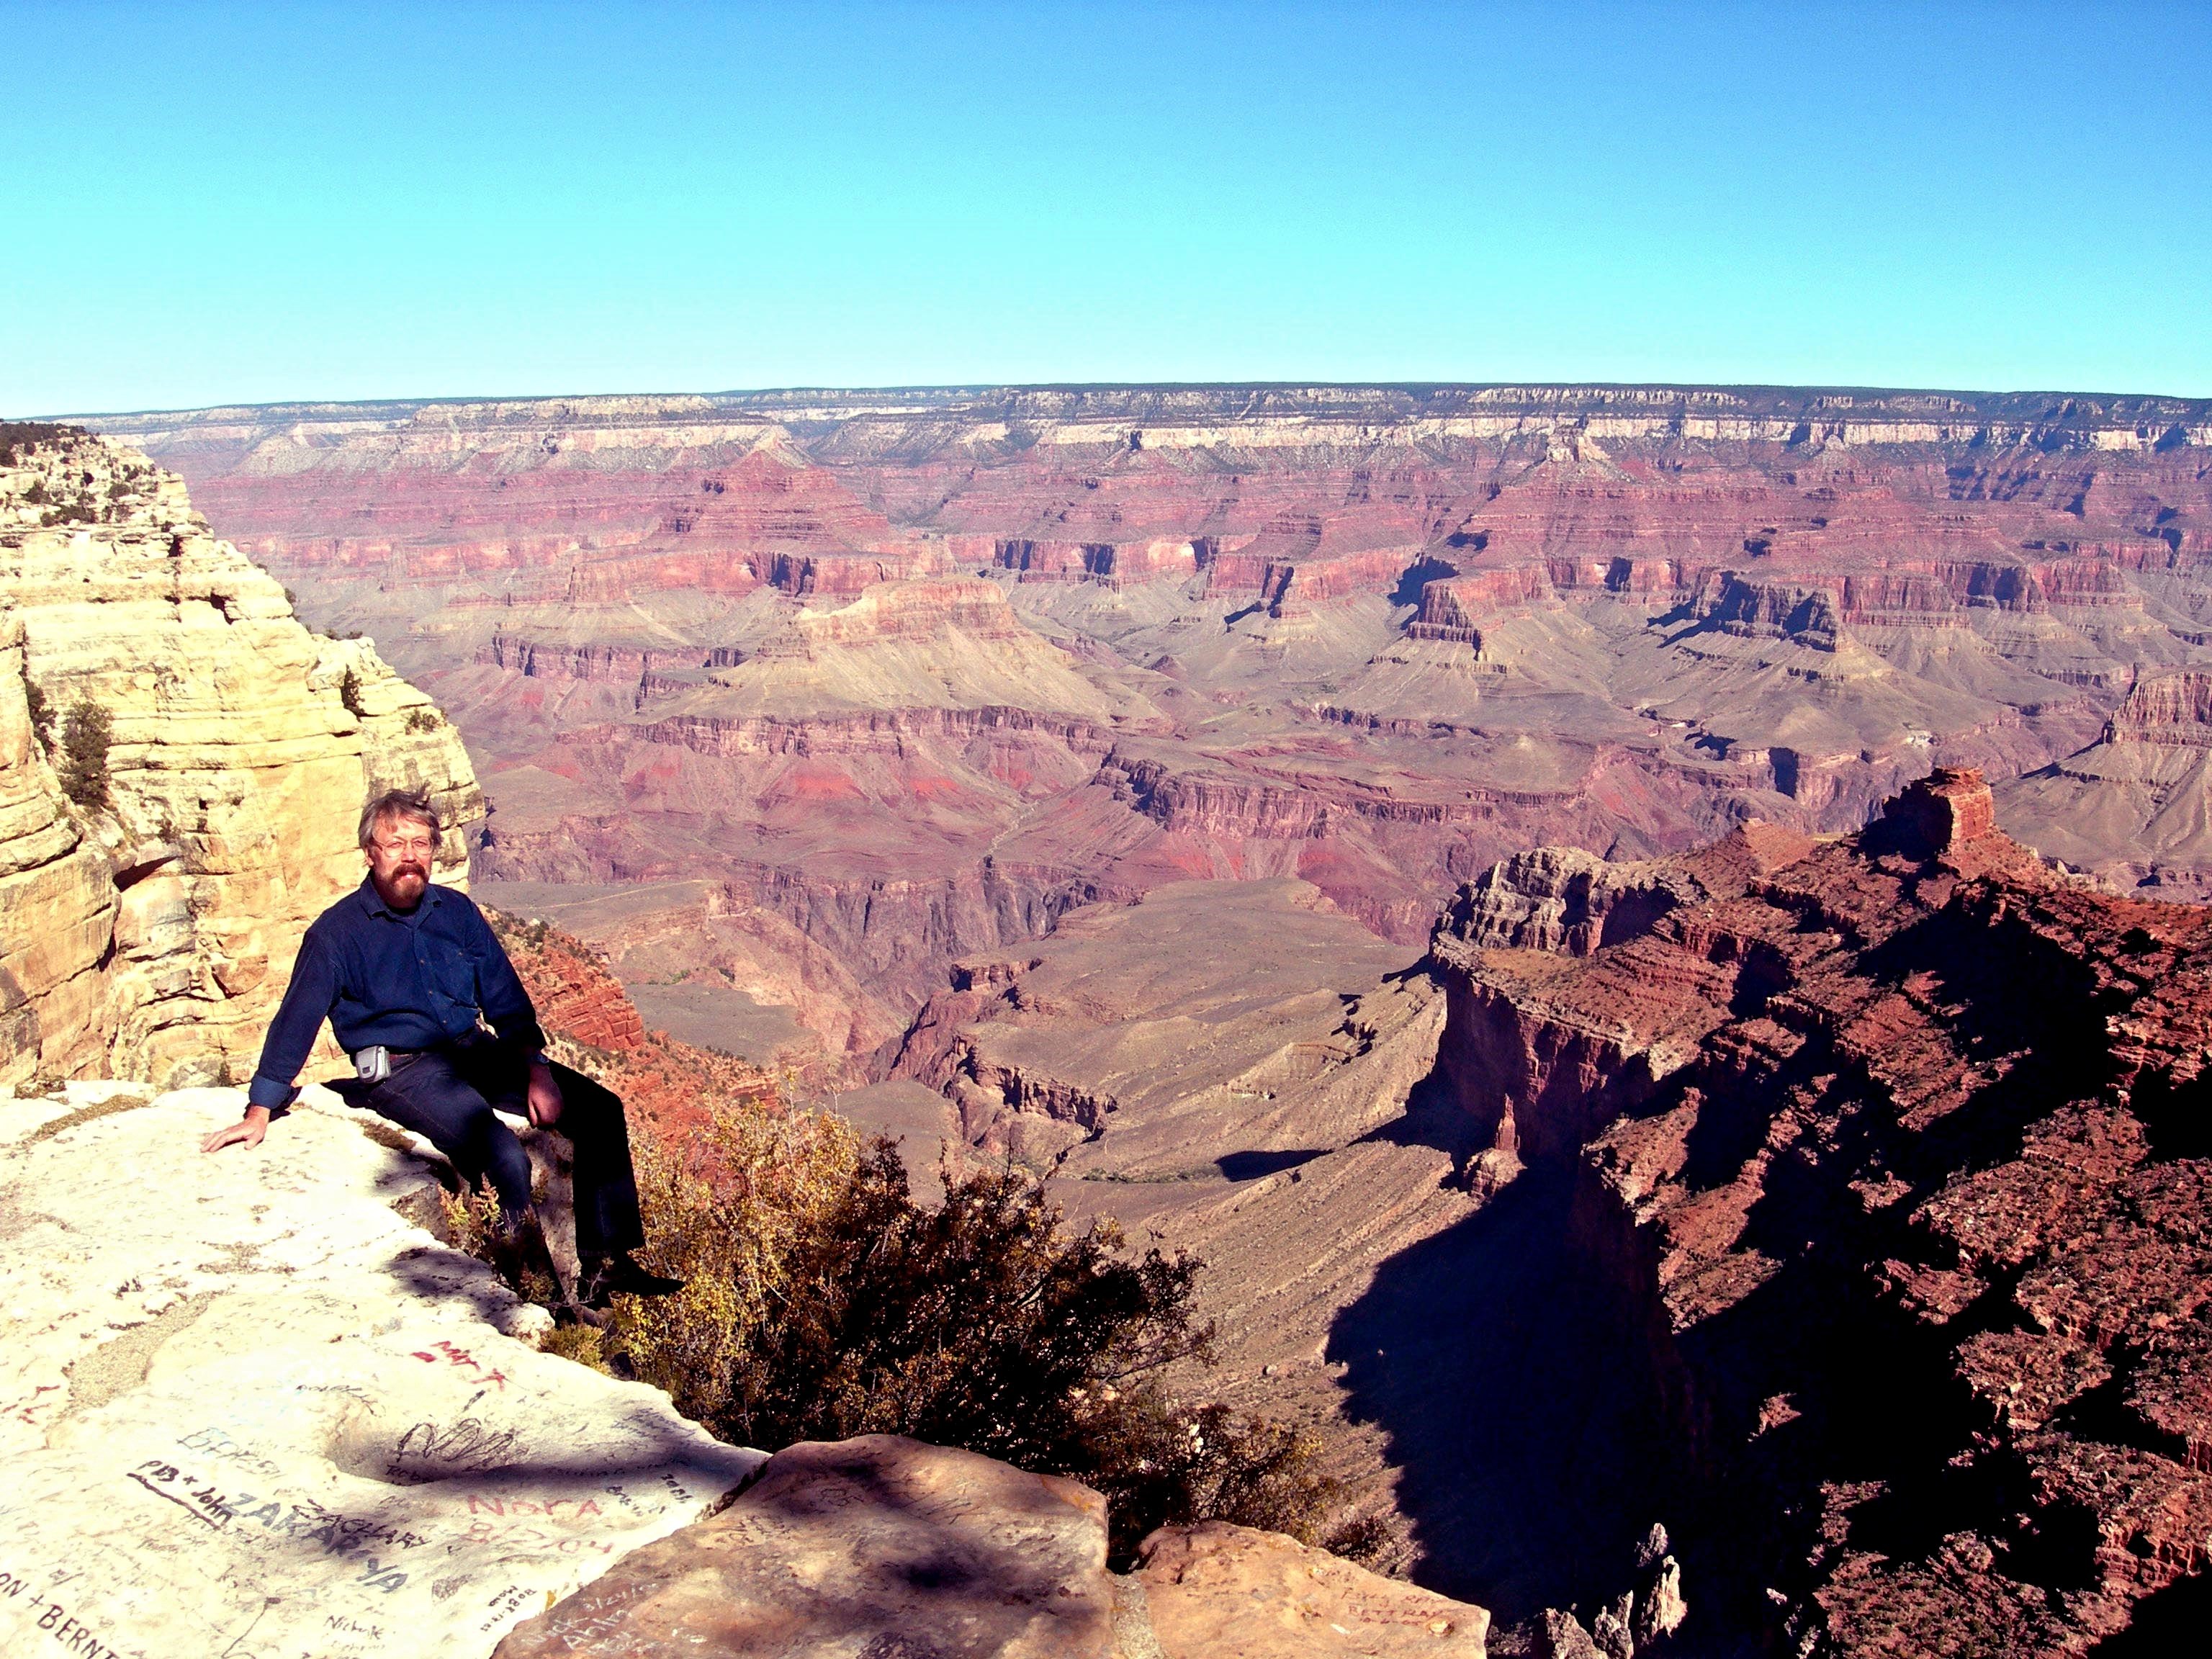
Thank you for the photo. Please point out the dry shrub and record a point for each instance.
(725, 1211)
(821, 1302)
(581, 1343)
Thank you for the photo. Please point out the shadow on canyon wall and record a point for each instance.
(1520, 1416)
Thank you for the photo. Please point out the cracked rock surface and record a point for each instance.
(248, 1407)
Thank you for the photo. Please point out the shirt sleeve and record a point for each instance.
(505, 1005)
(291, 1036)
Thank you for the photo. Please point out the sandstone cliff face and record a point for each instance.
(1889, 1153)
(149, 937)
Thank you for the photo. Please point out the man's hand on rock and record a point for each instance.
(246, 1132)
(545, 1095)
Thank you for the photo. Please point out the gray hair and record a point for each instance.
(412, 804)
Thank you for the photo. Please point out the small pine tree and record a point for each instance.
(87, 735)
(349, 694)
(42, 714)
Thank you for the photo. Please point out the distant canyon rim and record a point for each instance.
(1078, 775)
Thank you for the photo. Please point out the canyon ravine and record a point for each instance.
(1593, 908)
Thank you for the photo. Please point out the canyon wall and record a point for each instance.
(149, 923)
(1885, 1153)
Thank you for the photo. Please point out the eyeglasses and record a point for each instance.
(420, 846)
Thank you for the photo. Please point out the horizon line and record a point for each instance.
(987, 386)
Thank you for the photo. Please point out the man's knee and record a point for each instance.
(586, 1107)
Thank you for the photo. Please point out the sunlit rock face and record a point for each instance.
(148, 935)
(249, 1405)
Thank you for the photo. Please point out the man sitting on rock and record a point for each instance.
(409, 974)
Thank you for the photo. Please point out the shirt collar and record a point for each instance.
(373, 902)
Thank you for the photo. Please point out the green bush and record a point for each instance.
(42, 713)
(907, 1320)
(822, 1301)
(422, 720)
(86, 734)
(349, 694)
(979, 1323)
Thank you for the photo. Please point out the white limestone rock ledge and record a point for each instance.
(248, 1408)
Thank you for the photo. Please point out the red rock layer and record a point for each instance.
(1899, 1154)
(2174, 710)
(668, 1087)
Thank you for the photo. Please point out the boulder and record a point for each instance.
(878, 1545)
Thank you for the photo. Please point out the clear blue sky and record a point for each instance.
(261, 201)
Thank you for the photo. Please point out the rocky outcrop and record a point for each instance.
(1540, 1055)
(1889, 1151)
(273, 1414)
(2174, 710)
(877, 1544)
(147, 926)
(1564, 900)
(667, 1084)
(883, 1544)
(1214, 1590)
(1752, 609)
(1453, 609)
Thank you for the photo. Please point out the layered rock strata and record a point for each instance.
(2135, 808)
(1889, 1151)
(146, 927)
(1374, 638)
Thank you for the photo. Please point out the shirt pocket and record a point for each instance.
(452, 971)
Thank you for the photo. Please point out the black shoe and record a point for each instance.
(604, 1277)
(515, 1245)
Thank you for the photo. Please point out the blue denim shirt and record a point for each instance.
(405, 980)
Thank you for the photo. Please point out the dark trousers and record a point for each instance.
(446, 1095)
